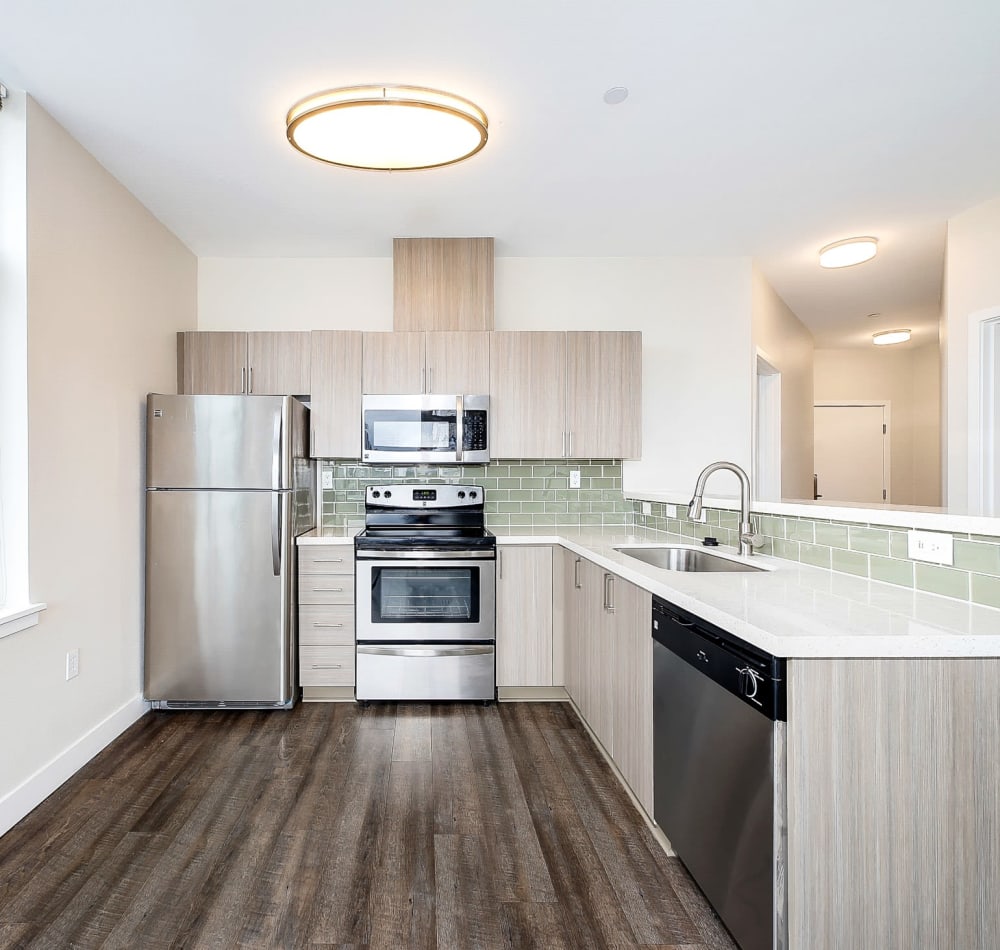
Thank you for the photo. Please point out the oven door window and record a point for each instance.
(425, 595)
(410, 430)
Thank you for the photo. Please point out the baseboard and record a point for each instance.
(532, 694)
(35, 789)
(328, 694)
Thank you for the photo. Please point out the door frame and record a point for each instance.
(886, 407)
(767, 428)
(984, 394)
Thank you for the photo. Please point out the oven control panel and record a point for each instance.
(424, 496)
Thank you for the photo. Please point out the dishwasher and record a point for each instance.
(719, 770)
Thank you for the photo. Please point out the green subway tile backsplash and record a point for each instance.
(528, 492)
(875, 551)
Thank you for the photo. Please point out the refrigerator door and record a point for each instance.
(237, 442)
(220, 627)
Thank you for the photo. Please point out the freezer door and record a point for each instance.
(219, 620)
(238, 442)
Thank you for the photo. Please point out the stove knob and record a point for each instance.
(376, 494)
(472, 494)
(388, 494)
(461, 494)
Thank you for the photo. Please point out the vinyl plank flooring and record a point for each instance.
(452, 826)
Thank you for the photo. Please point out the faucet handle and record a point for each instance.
(750, 535)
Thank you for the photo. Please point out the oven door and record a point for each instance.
(426, 600)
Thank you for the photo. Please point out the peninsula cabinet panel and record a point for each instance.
(278, 363)
(211, 363)
(524, 616)
(457, 362)
(632, 688)
(893, 809)
(393, 363)
(336, 393)
(604, 394)
(527, 394)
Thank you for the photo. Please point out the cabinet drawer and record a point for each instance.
(327, 624)
(326, 559)
(326, 589)
(326, 665)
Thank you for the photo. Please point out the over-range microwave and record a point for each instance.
(426, 429)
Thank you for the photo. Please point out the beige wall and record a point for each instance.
(972, 284)
(908, 379)
(787, 345)
(693, 314)
(108, 286)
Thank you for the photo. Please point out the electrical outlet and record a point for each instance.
(671, 511)
(647, 508)
(930, 546)
(574, 478)
(72, 664)
(327, 478)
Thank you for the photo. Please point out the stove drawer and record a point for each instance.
(326, 665)
(426, 671)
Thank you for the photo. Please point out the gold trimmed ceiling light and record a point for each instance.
(888, 337)
(387, 128)
(848, 252)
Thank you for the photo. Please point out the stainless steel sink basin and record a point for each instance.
(674, 558)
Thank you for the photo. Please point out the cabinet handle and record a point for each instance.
(243, 379)
(430, 379)
(500, 565)
(609, 593)
(328, 560)
(327, 666)
(423, 379)
(328, 590)
(564, 444)
(569, 441)
(250, 380)
(576, 574)
(327, 624)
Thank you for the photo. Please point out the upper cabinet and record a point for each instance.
(234, 363)
(437, 362)
(566, 395)
(336, 393)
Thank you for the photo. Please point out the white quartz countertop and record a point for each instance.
(792, 610)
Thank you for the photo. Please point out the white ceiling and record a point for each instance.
(763, 128)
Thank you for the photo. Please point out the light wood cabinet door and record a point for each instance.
(604, 394)
(457, 362)
(632, 688)
(393, 363)
(211, 362)
(336, 393)
(524, 616)
(278, 363)
(527, 394)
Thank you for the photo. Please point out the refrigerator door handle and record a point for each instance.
(276, 533)
(276, 454)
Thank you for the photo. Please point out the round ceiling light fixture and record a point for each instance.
(848, 252)
(387, 128)
(888, 337)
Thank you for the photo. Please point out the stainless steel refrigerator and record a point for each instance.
(229, 485)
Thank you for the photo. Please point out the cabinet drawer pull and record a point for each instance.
(327, 666)
(328, 625)
(328, 560)
(609, 593)
(328, 590)
(576, 574)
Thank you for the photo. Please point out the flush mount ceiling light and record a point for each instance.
(888, 337)
(388, 128)
(845, 253)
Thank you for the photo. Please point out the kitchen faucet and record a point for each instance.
(748, 534)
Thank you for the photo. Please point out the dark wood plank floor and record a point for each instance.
(410, 826)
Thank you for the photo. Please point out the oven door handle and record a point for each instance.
(383, 555)
(477, 650)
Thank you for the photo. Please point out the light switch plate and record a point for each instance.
(932, 546)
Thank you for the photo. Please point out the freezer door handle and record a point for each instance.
(476, 650)
(276, 533)
(276, 453)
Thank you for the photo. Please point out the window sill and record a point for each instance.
(14, 619)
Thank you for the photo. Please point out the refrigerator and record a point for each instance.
(229, 485)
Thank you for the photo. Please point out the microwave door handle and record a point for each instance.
(459, 427)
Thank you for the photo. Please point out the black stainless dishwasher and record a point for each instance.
(718, 769)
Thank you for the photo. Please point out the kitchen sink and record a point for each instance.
(675, 558)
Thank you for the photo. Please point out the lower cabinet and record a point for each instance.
(524, 616)
(326, 615)
(609, 667)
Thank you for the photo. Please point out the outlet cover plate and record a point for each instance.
(327, 478)
(72, 664)
(574, 478)
(931, 546)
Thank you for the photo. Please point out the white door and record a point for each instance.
(851, 453)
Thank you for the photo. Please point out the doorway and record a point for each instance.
(851, 452)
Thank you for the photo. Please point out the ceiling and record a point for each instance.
(762, 129)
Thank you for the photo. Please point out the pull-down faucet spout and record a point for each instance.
(748, 534)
